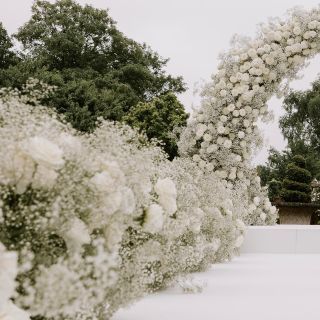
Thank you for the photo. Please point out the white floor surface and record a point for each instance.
(251, 287)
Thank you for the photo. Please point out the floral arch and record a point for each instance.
(224, 131)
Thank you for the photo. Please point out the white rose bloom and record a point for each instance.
(20, 171)
(210, 166)
(201, 129)
(113, 234)
(70, 143)
(111, 202)
(223, 93)
(232, 176)
(243, 143)
(242, 112)
(220, 141)
(273, 210)
(104, 182)
(240, 224)
(207, 137)
(240, 175)
(241, 134)
(128, 203)
(154, 219)
(44, 177)
(220, 129)
(44, 152)
(225, 111)
(8, 272)
(239, 241)
(223, 119)
(256, 201)
(227, 144)
(75, 234)
(252, 53)
(263, 216)
(212, 148)
(233, 79)
(216, 244)
(313, 24)
(167, 195)
(246, 123)
(196, 158)
(235, 113)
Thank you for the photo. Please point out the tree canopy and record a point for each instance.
(96, 69)
(300, 125)
(7, 56)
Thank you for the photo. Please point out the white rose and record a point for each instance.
(201, 129)
(128, 203)
(212, 148)
(75, 233)
(104, 182)
(220, 129)
(239, 241)
(256, 201)
(223, 93)
(8, 272)
(207, 137)
(196, 158)
(154, 220)
(263, 216)
(44, 152)
(241, 134)
(252, 53)
(167, 195)
(227, 144)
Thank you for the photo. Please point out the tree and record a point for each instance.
(296, 186)
(301, 122)
(158, 119)
(7, 56)
(97, 71)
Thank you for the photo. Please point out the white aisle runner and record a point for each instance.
(251, 287)
(254, 286)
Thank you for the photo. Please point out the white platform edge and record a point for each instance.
(289, 239)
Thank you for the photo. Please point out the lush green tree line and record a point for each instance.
(96, 69)
(300, 125)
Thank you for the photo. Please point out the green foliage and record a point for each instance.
(301, 122)
(296, 186)
(7, 56)
(274, 189)
(97, 71)
(158, 119)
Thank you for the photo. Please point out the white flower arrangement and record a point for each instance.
(98, 221)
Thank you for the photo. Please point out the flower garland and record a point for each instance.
(223, 132)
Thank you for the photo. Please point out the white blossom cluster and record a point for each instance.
(8, 272)
(223, 133)
(101, 219)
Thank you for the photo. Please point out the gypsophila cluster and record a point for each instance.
(224, 133)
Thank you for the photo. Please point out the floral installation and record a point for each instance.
(223, 133)
(89, 223)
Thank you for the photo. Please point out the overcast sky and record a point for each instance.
(191, 33)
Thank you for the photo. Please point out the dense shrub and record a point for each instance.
(296, 186)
